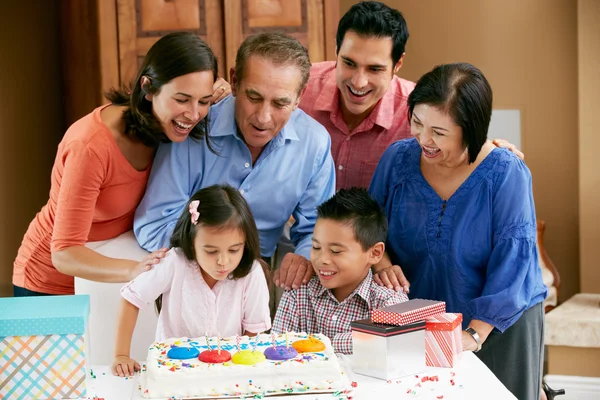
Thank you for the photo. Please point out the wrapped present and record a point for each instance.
(388, 351)
(408, 312)
(42, 347)
(443, 339)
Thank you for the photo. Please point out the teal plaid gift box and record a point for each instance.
(42, 347)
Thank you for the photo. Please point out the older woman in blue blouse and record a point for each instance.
(462, 224)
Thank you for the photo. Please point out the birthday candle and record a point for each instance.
(287, 340)
(254, 343)
(207, 340)
(273, 339)
(218, 343)
(237, 341)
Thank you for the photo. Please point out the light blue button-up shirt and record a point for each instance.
(293, 175)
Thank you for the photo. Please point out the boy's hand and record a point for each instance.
(391, 277)
(294, 271)
(124, 366)
(506, 145)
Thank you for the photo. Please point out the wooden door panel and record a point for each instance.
(143, 22)
(273, 13)
(303, 19)
(157, 16)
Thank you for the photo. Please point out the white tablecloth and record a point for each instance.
(471, 378)
(104, 305)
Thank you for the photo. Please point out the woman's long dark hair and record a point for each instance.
(221, 207)
(173, 55)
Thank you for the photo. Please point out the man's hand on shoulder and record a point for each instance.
(504, 144)
(294, 271)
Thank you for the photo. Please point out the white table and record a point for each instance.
(472, 380)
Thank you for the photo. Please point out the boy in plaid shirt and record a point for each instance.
(348, 239)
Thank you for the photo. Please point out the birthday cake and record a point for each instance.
(242, 366)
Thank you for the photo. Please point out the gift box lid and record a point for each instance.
(443, 322)
(44, 315)
(408, 312)
(373, 328)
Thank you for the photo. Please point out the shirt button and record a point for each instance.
(247, 165)
(242, 191)
(348, 138)
(334, 317)
(341, 167)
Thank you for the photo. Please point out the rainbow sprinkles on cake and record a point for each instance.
(268, 364)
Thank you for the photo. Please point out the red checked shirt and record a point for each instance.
(314, 309)
(356, 153)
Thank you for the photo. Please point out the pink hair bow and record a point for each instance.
(194, 211)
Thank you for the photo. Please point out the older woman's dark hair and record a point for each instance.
(173, 55)
(221, 207)
(462, 91)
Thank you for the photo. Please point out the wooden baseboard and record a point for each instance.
(574, 361)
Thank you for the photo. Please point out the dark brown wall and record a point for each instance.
(31, 120)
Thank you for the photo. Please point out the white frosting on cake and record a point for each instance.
(307, 372)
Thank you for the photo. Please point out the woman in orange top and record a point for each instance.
(103, 163)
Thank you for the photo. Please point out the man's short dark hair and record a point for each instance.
(356, 208)
(375, 19)
(462, 91)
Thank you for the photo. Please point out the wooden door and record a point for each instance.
(312, 22)
(142, 22)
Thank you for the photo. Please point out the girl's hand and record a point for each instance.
(124, 366)
(147, 262)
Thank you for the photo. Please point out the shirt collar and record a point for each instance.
(363, 290)
(222, 117)
(329, 100)
(383, 113)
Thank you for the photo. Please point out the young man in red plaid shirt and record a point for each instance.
(348, 239)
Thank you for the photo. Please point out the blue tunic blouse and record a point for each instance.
(476, 250)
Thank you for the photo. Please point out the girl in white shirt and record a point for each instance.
(210, 282)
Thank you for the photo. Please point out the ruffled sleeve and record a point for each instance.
(513, 275)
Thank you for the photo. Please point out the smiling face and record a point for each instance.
(338, 258)
(440, 138)
(218, 252)
(265, 97)
(181, 103)
(364, 71)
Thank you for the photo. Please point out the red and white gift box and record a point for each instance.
(443, 339)
(408, 312)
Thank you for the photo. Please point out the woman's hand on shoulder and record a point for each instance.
(124, 366)
(221, 89)
(148, 262)
(390, 276)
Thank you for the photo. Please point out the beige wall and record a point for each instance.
(528, 51)
(588, 39)
(31, 118)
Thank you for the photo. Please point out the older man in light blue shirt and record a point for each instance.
(276, 155)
